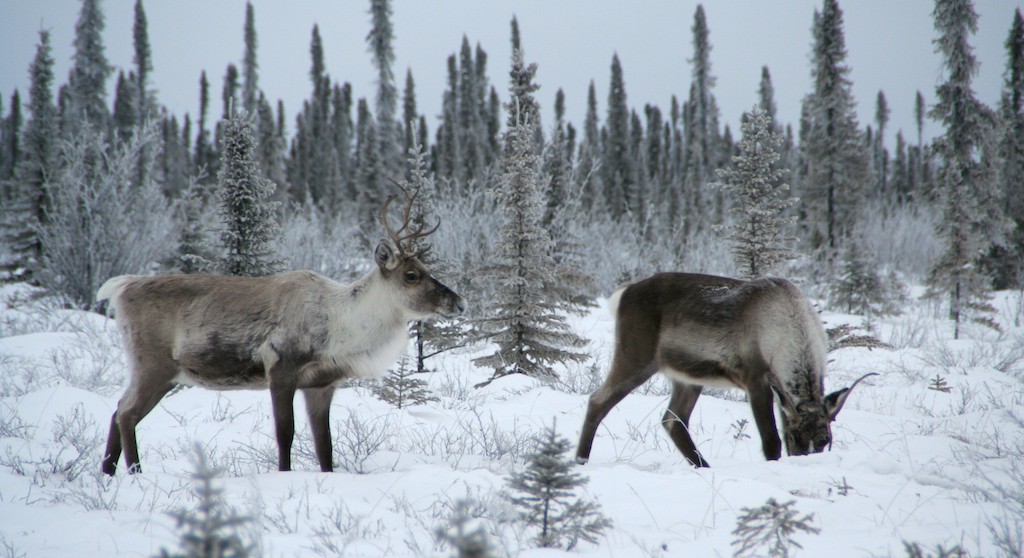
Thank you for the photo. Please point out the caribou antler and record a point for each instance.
(397, 235)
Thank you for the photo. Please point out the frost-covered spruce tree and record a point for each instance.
(545, 493)
(770, 528)
(249, 217)
(195, 249)
(87, 79)
(211, 528)
(758, 233)
(524, 318)
(973, 220)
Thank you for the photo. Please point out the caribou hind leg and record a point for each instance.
(113, 452)
(620, 382)
(677, 421)
(141, 398)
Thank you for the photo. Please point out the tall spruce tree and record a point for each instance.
(489, 106)
(204, 154)
(229, 104)
(1011, 151)
(173, 163)
(469, 118)
(655, 161)
(30, 204)
(879, 154)
(125, 106)
(144, 103)
(310, 168)
(973, 220)
(229, 92)
(10, 147)
(766, 97)
(833, 151)
(249, 217)
(676, 154)
(636, 196)
(521, 93)
(920, 112)
(447, 159)
(703, 144)
(410, 116)
(342, 133)
(557, 165)
(900, 179)
(6, 168)
(589, 168)
(270, 144)
(369, 172)
(87, 81)
(618, 166)
(380, 40)
(250, 66)
(524, 319)
(760, 243)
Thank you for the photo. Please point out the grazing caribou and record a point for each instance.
(294, 331)
(761, 336)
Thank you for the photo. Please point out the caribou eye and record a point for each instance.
(412, 276)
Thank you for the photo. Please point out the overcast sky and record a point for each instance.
(889, 45)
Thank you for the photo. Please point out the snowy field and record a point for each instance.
(931, 452)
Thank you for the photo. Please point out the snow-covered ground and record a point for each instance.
(910, 463)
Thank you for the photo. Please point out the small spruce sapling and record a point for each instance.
(861, 289)
(545, 494)
(770, 528)
(402, 389)
(211, 529)
(462, 538)
(938, 383)
(843, 336)
(914, 550)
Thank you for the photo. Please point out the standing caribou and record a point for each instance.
(294, 331)
(761, 336)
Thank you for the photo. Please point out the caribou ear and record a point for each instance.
(386, 255)
(834, 401)
(785, 402)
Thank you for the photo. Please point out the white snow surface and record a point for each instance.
(908, 463)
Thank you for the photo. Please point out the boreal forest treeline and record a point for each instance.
(93, 186)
